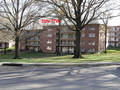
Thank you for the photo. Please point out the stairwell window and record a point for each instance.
(49, 48)
(91, 28)
(91, 43)
(49, 35)
(49, 42)
(91, 50)
(83, 35)
(91, 34)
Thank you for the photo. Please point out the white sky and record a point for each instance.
(115, 21)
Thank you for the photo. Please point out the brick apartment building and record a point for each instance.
(39, 40)
(114, 36)
(48, 39)
(92, 39)
(30, 40)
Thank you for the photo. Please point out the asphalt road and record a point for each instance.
(60, 78)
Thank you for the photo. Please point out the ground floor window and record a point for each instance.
(91, 50)
(49, 48)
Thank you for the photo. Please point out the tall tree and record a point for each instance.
(105, 19)
(80, 13)
(18, 14)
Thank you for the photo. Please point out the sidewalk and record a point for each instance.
(58, 64)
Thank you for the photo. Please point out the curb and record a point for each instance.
(59, 64)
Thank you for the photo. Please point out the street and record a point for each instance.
(60, 78)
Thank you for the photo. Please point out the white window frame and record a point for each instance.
(49, 35)
(91, 34)
(49, 48)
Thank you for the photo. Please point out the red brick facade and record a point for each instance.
(48, 40)
(92, 39)
(114, 36)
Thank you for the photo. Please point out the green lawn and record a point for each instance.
(111, 56)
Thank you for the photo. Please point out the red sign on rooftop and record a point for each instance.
(50, 21)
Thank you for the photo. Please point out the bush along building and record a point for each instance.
(54, 38)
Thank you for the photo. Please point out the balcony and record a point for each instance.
(67, 44)
(67, 37)
(67, 31)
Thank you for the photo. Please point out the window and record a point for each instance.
(91, 43)
(49, 48)
(91, 28)
(115, 28)
(36, 38)
(117, 44)
(64, 42)
(71, 43)
(33, 38)
(91, 50)
(49, 35)
(111, 34)
(117, 39)
(71, 36)
(83, 29)
(111, 44)
(64, 49)
(111, 39)
(64, 36)
(49, 42)
(32, 43)
(83, 50)
(82, 42)
(91, 34)
(71, 50)
(49, 30)
(83, 35)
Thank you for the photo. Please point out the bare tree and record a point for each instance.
(18, 14)
(80, 13)
(106, 16)
(105, 19)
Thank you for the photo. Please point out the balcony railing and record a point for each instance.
(67, 44)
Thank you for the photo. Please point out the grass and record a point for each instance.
(111, 56)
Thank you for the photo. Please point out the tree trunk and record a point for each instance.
(58, 53)
(115, 39)
(77, 48)
(17, 50)
(5, 46)
(105, 39)
(58, 44)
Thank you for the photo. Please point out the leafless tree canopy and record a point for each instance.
(82, 11)
(17, 14)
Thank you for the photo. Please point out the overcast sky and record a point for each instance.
(115, 21)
